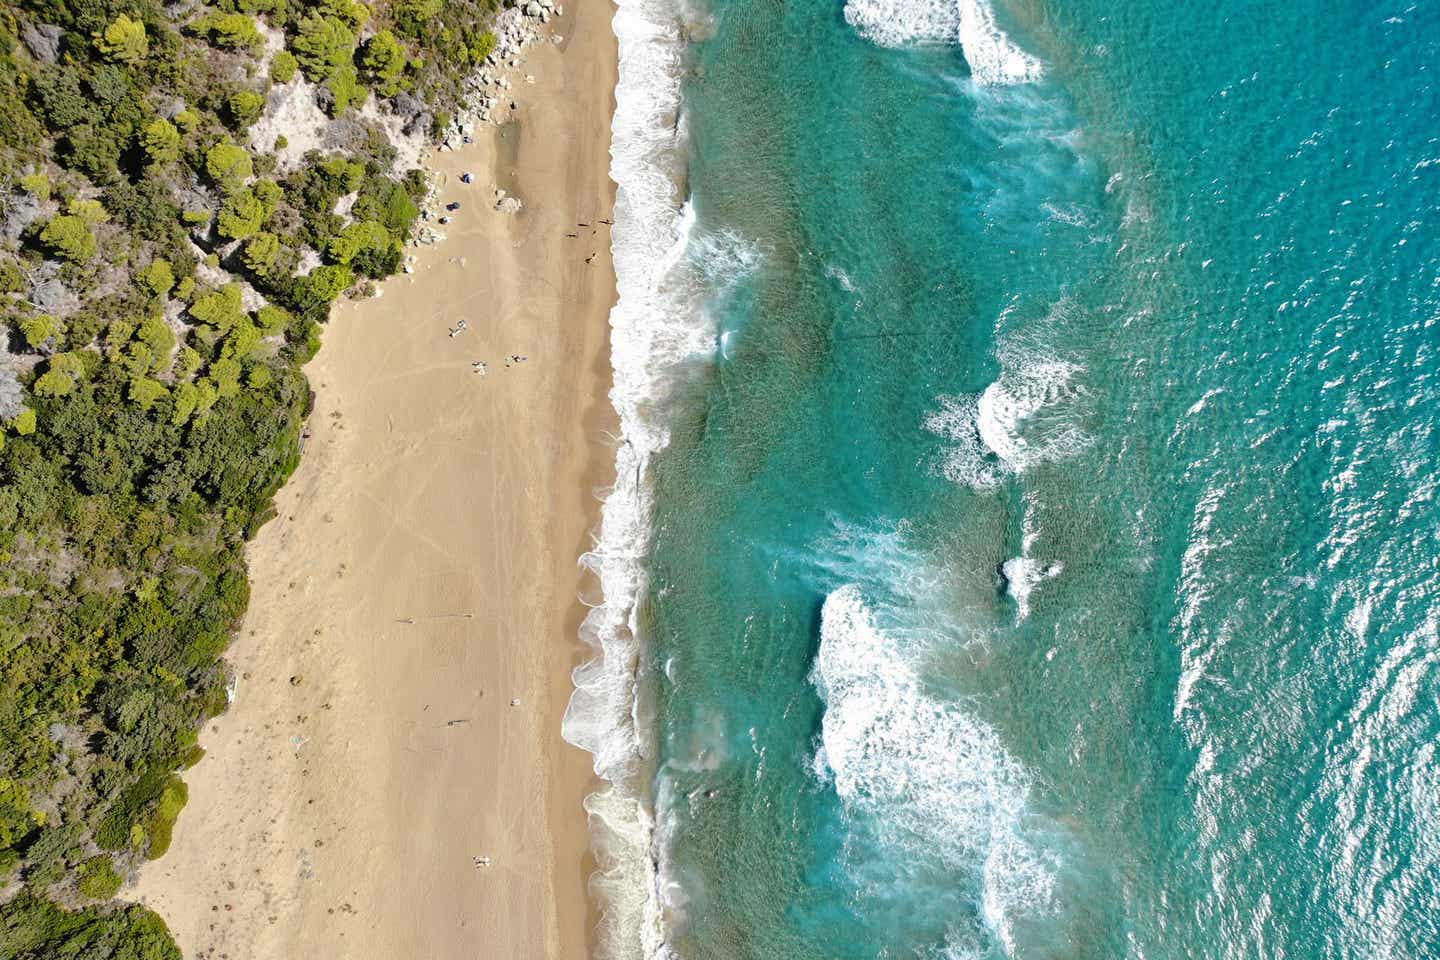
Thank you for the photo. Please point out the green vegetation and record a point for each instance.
(163, 279)
(123, 41)
(283, 67)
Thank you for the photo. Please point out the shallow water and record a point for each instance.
(1030, 497)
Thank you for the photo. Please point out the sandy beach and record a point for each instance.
(405, 662)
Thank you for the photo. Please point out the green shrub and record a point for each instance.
(161, 141)
(18, 818)
(37, 185)
(40, 330)
(484, 46)
(328, 282)
(233, 31)
(145, 393)
(24, 422)
(413, 16)
(345, 90)
(158, 278)
(261, 250)
(228, 165)
(383, 61)
(322, 46)
(123, 41)
(92, 212)
(283, 67)
(32, 928)
(358, 238)
(64, 371)
(241, 215)
(99, 879)
(69, 236)
(245, 108)
(349, 12)
(273, 320)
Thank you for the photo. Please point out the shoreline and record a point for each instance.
(415, 583)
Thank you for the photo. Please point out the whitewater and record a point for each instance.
(1020, 542)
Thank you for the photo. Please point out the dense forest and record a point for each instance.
(168, 259)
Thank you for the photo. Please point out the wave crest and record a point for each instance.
(994, 58)
(924, 777)
(1025, 418)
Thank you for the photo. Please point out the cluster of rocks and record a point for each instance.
(542, 10)
(489, 96)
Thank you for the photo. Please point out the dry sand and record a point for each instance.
(422, 574)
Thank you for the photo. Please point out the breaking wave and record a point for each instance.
(923, 777)
(1025, 418)
(994, 58)
(656, 333)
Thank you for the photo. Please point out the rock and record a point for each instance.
(532, 9)
(508, 205)
(406, 104)
(48, 294)
(22, 211)
(419, 124)
(43, 41)
(12, 395)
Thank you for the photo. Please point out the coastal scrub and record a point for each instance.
(164, 275)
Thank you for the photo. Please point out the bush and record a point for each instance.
(24, 422)
(98, 879)
(350, 12)
(245, 108)
(160, 141)
(283, 67)
(69, 236)
(328, 282)
(241, 215)
(158, 278)
(233, 31)
(228, 165)
(260, 253)
(358, 238)
(37, 185)
(123, 41)
(412, 16)
(383, 61)
(41, 331)
(345, 90)
(32, 928)
(162, 824)
(322, 46)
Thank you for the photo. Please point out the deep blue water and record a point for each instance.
(1045, 561)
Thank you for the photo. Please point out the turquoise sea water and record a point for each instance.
(1042, 557)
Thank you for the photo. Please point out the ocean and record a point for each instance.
(1024, 541)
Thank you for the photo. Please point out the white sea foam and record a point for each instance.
(1022, 576)
(926, 777)
(655, 334)
(1025, 418)
(994, 58)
